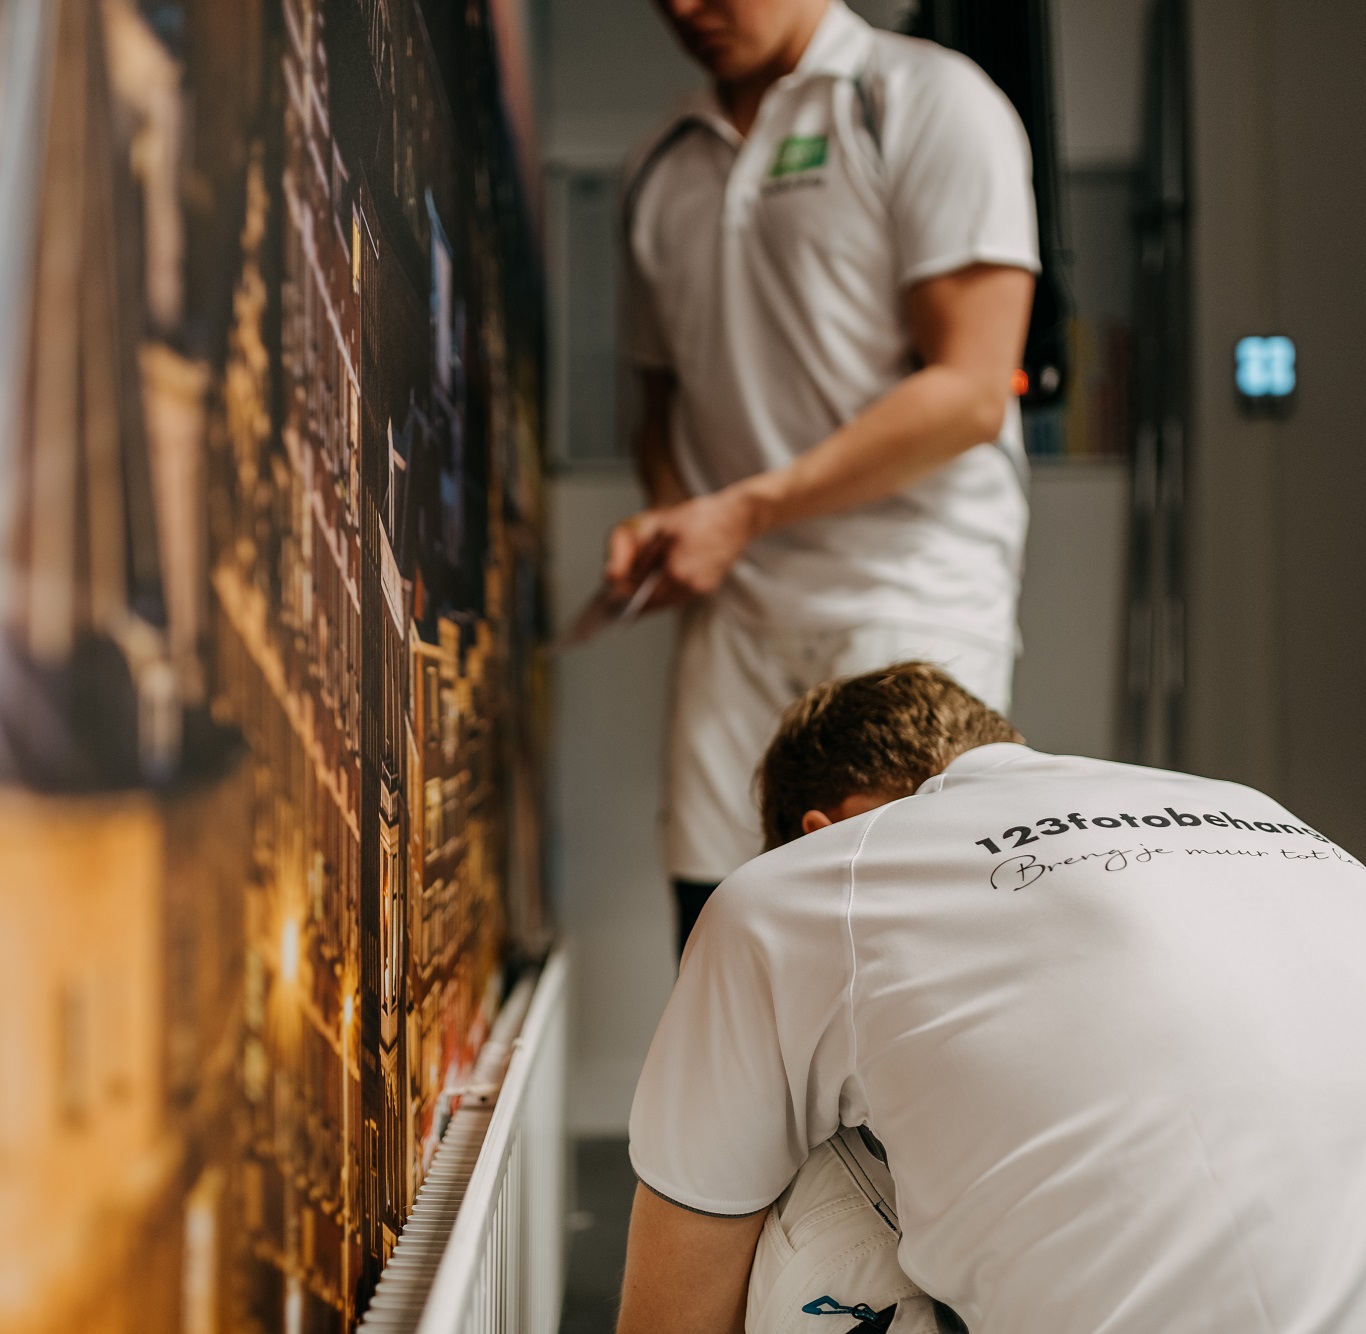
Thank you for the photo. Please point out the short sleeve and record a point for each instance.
(642, 336)
(743, 1077)
(642, 339)
(959, 172)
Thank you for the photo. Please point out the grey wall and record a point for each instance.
(1278, 636)
(614, 72)
(1068, 679)
(1099, 46)
(1234, 723)
(1319, 131)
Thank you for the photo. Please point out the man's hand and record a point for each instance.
(694, 544)
(686, 1273)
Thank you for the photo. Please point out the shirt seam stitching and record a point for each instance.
(987, 768)
(1002, 256)
(694, 1209)
(853, 956)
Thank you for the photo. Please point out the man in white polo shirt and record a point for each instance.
(1106, 1022)
(830, 271)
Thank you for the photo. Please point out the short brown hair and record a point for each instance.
(883, 732)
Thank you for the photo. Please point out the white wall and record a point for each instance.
(612, 896)
(614, 72)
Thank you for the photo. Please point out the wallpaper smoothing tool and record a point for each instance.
(604, 610)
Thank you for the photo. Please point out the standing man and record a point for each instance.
(830, 271)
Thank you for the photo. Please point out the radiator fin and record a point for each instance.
(482, 1251)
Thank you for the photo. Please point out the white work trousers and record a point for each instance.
(829, 1246)
(732, 679)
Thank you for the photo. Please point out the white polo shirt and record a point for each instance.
(767, 273)
(1107, 1021)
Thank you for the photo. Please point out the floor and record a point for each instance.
(601, 1189)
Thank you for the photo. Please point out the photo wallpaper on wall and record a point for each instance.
(272, 669)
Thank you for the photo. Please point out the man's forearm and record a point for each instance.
(969, 331)
(686, 1273)
(909, 433)
(912, 431)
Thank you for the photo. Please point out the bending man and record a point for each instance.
(1104, 1020)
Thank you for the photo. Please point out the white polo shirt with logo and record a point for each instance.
(1108, 1023)
(767, 274)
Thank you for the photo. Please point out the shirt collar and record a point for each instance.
(979, 758)
(701, 103)
(839, 48)
(840, 45)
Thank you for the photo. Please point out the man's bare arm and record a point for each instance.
(969, 333)
(686, 1273)
(969, 330)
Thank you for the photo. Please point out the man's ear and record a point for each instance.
(856, 803)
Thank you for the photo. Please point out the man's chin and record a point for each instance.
(718, 64)
(722, 62)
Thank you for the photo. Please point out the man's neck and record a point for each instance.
(740, 98)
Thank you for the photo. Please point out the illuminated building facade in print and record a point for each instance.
(282, 885)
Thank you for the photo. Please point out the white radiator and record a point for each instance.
(499, 1177)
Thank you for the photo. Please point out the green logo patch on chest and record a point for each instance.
(800, 152)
